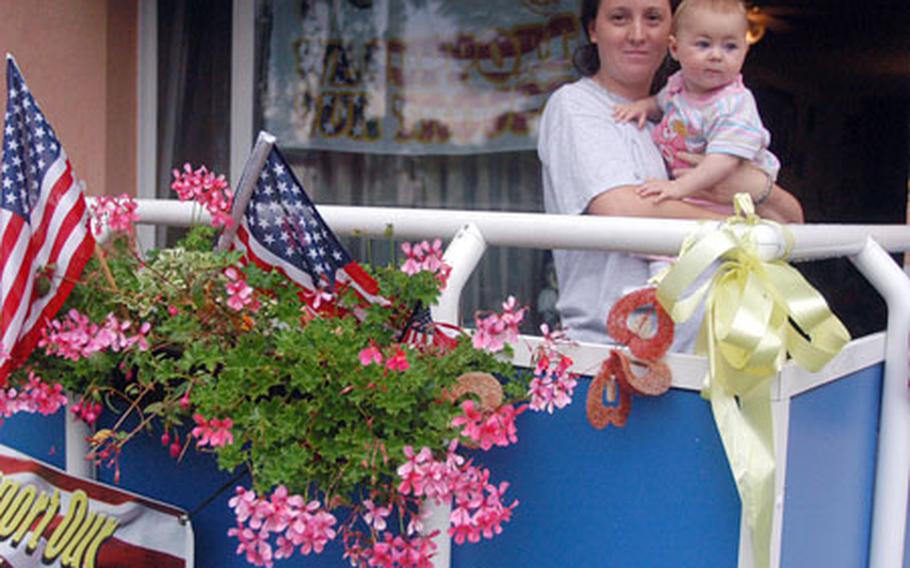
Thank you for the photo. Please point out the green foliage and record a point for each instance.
(306, 412)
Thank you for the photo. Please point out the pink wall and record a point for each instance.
(79, 60)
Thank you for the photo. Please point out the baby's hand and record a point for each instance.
(661, 190)
(633, 112)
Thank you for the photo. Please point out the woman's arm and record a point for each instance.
(624, 201)
(780, 206)
(708, 173)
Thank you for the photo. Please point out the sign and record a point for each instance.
(406, 77)
(49, 518)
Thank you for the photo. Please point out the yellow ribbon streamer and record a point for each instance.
(755, 313)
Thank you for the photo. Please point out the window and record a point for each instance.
(399, 103)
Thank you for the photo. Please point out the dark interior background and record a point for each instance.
(832, 80)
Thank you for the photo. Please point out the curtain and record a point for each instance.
(194, 90)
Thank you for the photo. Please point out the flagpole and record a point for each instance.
(254, 164)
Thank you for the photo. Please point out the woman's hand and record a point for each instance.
(780, 205)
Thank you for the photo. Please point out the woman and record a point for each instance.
(592, 164)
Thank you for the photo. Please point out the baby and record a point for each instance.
(704, 108)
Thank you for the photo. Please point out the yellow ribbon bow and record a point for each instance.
(755, 313)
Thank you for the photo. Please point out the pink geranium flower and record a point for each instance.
(495, 330)
(479, 511)
(553, 384)
(117, 213)
(412, 472)
(34, 396)
(375, 515)
(398, 361)
(297, 524)
(215, 432)
(240, 294)
(426, 257)
(76, 337)
(370, 355)
(496, 429)
(207, 189)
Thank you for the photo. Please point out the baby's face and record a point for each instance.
(710, 47)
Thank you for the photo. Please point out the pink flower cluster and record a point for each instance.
(426, 257)
(383, 549)
(397, 362)
(496, 429)
(215, 432)
(375, 515)
(495, 330)
(553, 383)
(414, 551)
(240, 294)
(207, 189)
(299, 525)
(87, 411)
(76, 337)
(478, 505)
(35, 396)
(118, 213)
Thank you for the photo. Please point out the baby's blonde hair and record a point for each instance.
(722, 6)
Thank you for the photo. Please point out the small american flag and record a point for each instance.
(44, 236)
(421, 332)
(280, 229)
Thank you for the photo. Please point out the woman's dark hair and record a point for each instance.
(585, 58)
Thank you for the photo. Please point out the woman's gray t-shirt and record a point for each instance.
(584, 153)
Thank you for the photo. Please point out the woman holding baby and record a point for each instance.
(599, 158)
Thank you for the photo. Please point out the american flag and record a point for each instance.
(422, 332)
(281, 229)
(44, 236)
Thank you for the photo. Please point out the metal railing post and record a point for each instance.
(889, 501)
